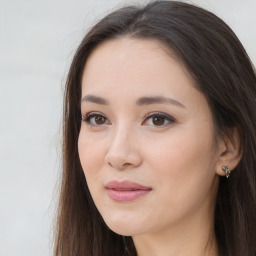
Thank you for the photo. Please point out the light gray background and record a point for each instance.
(37, 42)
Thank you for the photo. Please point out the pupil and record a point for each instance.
(157, 120)
(100, 119)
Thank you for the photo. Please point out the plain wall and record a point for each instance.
(37, 42)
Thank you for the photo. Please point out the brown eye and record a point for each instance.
(99, 119)
(158, 120)
(95, 119)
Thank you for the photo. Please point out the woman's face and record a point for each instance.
(146, 143)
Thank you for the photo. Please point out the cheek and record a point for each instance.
(181, 151)
(184, 168)
(91, 154)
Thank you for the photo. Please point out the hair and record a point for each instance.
(223, 72)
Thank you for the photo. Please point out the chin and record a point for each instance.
(123, 227)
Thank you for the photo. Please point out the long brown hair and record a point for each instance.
(223, 72)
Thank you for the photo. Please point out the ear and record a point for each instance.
(229, 151)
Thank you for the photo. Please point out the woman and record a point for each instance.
(159, 138)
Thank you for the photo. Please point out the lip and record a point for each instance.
(126, 191)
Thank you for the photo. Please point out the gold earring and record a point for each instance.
(226, 170)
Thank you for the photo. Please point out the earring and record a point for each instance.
(226, 170)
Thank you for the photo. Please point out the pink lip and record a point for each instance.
(126, 191)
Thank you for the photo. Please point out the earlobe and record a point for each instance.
(230, 152)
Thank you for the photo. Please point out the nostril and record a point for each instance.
(110, 164)
(119, 165)
(127, 164)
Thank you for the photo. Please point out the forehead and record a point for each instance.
(134, 63)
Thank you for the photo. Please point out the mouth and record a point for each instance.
(126, 191)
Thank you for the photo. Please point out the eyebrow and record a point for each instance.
(95, 99)
(139, 102)
(158, 100)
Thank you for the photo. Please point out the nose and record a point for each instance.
(123, 152)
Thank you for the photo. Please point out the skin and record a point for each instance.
(180, 159)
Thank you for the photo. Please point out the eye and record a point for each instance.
(95, 119)
(158, 119)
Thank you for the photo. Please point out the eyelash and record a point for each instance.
(166, 117)
(87, 118)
